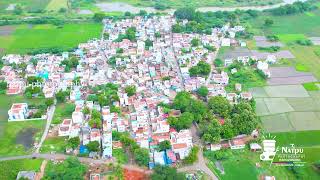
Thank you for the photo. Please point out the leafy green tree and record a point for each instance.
(86, 110)
(218, 62)
(148, 43)
(130, 90)
(182, 100)
(93, 146)
(71, 168)
(18, 9)
(127, 13)
(3, 85)
(74, 142)
(166, 173)
(203, 91)
(157, 34)
(49, 102)
(193, 155)
(211, 132)
(244, 122)
(95, 123)
(143, 13)
(185, 13)
(131, 33)
(227, 130)
(61, 96)
(183, 122)
(195, 42)
(98, 17)
(141, 156)
(164, 145)
(177, 28)
(268, 22)
(34, 79)
(220, 105)
(201, 69)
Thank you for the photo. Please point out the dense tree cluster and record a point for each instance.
(141, 155)
(130, 90)
(201, 69)
(297, 7)
(202, 22)
(166, 173)
(130, 34)
(233, 119)
(73, 62)
(71, 168)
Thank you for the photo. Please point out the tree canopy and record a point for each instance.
(71, 168)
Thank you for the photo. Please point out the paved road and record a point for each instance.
(81, 159)
(199, 165)
(57, 157)
(49, 120)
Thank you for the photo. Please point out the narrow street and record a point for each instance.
(50, 114)
(212, 65)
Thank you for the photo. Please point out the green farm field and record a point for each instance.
(10, 169)
(25, 38)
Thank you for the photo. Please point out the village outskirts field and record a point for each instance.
(289, 113)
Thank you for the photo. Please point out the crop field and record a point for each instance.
(287, 108)
(196, 3)
(26, 37)
(56, 5)
(286, 91)
(28, 5)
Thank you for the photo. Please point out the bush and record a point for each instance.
(193, 156)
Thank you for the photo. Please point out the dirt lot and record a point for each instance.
(6, 30)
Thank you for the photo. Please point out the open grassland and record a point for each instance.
(292, 24)
(54, 144)
(63, 111)
(56, 5)
(10, 169)
(26, 38)
(9, 140)
(9, 132)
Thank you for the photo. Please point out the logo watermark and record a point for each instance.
(289, 155)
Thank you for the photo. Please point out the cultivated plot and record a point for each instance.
(288, 76)
(258, 92)
(304, 104)
(277, 105)
(276, 123)
(261, 108)
(304, 121)
(286, 91)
